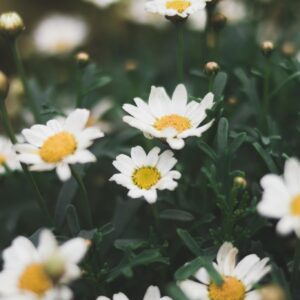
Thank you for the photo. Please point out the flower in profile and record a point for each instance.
(152, 293)
(170, 119)
(41, 273)
(59, 143)
(8, 156)
(238, 279)
(102, 3)
(172, 8)
(60, 34)
(281, 198)
(143, 174)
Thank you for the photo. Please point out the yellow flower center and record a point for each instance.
(146, 177)
(62, 47)
(57, 147)
(2, 159)
(174, 121)
(34, 279)
(295, 206)
(231, 289)
(179, 5)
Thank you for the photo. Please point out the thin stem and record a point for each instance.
(79, 86)
(295, 274)
(9, 130)
(20, 68)
(155, 215)
(180, 52)
(210, 82)
(84, 200)
(266, 102)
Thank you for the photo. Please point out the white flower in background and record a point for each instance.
(102, 3)
(198, 21)
(143, 174)
(238, 279)
(281, 198)
(234, 10)
(152, 293)
(41, 273)
(58, 144)
(170, 119)
(171, 8)
(8, 156)
(60, 34)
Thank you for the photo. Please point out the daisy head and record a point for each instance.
(59, 143)
(8, 156)
(281, 198)
(42, 272)
(173, 8)
(238, 278)
(143, 174)
(170, 119)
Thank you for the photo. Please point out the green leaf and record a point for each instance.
(176, 293)
(177, 215)
(189, 241)
(266, 157)
(219, 85)
(237, 143)
(132, 244)
(97, 84)
(72, 220)
(207, 150)
(222, 136)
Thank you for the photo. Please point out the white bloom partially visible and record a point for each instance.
(198, 21)
(59, 143)
(171, 8)
(152, 293)
(281, 198)
(143, 174)
(239, 279)
(60, 34)
(234, 10)
(102, 3)
(41, 273)
(171, 119)
(8, 156)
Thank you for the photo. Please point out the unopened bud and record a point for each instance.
(55, 268)
(272, 292)
(11, 24)
(288, 49)
(240, 182)
(3, 86)
(267, 48)
(211, 68)
(218, 21)
(130, 65)
(82, 58)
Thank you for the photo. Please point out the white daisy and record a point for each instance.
(234, 11)
(143, 174)
(281, 198)
(60, 34)
(59, 143)
(238, 279)
(170, 119)
(8, 156)
(152, 293)
(171, 8)
(41, 273)
(102, 3)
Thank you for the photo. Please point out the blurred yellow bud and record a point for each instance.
(11, 24)
(3, 86)
(267, 48)
(240, 182)
(272, 292)
(82, 58)
(211, 68)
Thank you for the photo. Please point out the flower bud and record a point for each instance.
(272, 292)
(240, 182)
(288, 49)
(130, 65)
(11, 24)
(267, 48)
(3, 86)
(211, 68)
(218, 21)
(82, 58)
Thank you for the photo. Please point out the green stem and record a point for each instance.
(84, 200)
(79, 86)
(266, 99)
(180, 52)
(295, 274)
(21, 71)
(210, 82)
(155, 215)
(9, 130)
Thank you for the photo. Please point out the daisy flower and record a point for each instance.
(281, 198)
(41, 273)
(59, 143)
(152, 293)
(143, 174)
(238, 279)
(171, 8)
(8, 156)
(170, 119)
(60, 34)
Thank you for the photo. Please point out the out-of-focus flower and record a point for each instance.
(238, 279)
(58, 144)
(198, 21)
(271, 292)
(211, 68)
(143, 174)
(267, 48)
(3, 86)
(234, 10)
(102, 3)
(171, 119)
(281, 198)
(11, 24)
(60, 34)
(41, 273)
(288, 49)
(8, 156)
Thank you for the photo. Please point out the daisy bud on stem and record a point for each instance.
(240, 182)
(267, 48)
(211, 69)
(288, 49)
(11, 25)
(82, 59)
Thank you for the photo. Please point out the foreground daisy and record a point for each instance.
(41, 273)
(152, 293)
(171, 8)
(143, 174)
(238, 279)
(58, 144)
(8, 156)
(60, 34)
(281, 198)
(170, 119)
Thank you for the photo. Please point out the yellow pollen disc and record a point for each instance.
(2, 159)
(35, 280)
(62, 47)
(174, 121)
(231, 289)
(179, 5)
(146, 177)
(295, 206)
(57, 147)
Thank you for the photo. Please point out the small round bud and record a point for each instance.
(82, 58)
(267, 48)
(240, 182)
(3, 86)
(55, 268)
(272, 292)
(211, 68)
(232, 100)
(11, 24)
(218, 21)
(288, 49)
(130, 65)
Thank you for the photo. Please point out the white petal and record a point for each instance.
(245, 265)
(152, 293)
(82, 157)
(292, 175)
(179, 99)
(223, 252)
(30, 158)
(77, 120)
(54, 125)
(194, 290)
(203, 276)
(138, 155)
(176, 144)
(285, 225)
(120, 296)
(159, 101)
(63, 171)
(150, 195)
(152, 157)
(124, 164)
(74, 250)
(47, 244)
